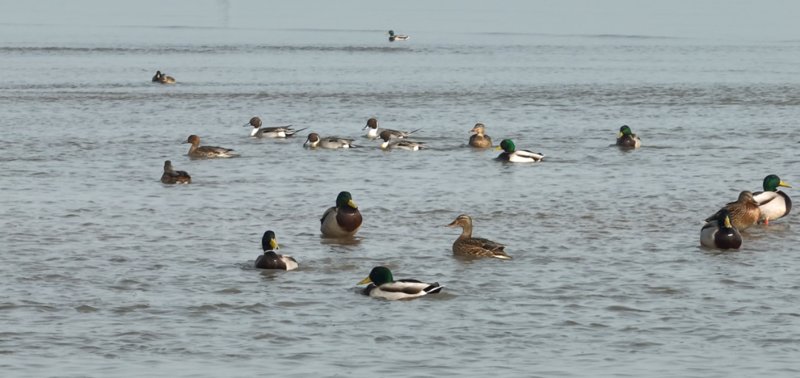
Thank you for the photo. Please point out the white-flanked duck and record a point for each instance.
(397, 37)
(374, 132)
(270, 259)
(342, 220)
(403, 144)
(772, 202)
(270, 132)
(627, 139)
(171, 176)
(316, 141)
(382, 285)
(720, 233)
(512, 154)
(197, 151)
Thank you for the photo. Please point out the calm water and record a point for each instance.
(107, 272)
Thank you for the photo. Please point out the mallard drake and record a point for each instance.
(403, 144)
(467, 246)
(479, 139)
(626, 138)
(270, 259)
(172, 176)
(397, 37)
(720, 233)
(342, 220)
(743, 213)
(270, 132)
(374, 132)
(382, 285)
(206, 152)
(315, 141)
(512, 154)
(772, 202)
(163, 79)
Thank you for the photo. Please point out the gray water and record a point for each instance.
(107, 272)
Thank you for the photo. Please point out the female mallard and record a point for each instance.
(479, 139)
(397, 37)
(626, 138)
(743, 213)
(382, 285)
(163, 79)
(512, 154)
(720, 234)
(342, 220)
(272, 260)
(403, 144)
(468, 246)
(172, 176)
(772, 202)
(197, 151)
(332, 143)
(270, 132)
(374, 132)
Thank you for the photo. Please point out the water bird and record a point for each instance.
(207, 152)
(397, 37)
(721, 233)
(270, 259)
(512, 154)
(163, 79)
(374, 132)
(172, 176)
(270, 132)
(382, 285)
(627, 139)
(467, 246)
(479, 139)
(390, 143)
(316, 141)
(743, 213)
(773, 203)
(342, 220)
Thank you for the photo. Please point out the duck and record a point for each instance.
(270, 132)
(627, 139)
(342, 220)
(270, 259)
(743, 213)
(478, 138)
(315, 141)
(172, 176)
(206, 152)
(382, 285)
(467, 246)
(397, 37)
(373, 131)
(773, 203)
(388, 143)
(163, 79)
(721, 233)
(512, 154)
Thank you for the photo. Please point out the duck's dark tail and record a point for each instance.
(434, 288)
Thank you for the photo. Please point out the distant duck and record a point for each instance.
(374, 132)
(342, 220)
(467, 246)
(270, 132)
(401, 144)
(512, 154)
(627, 139)
(720, 233)
(773, 203)
(272, 260)
(743, 213)
(163, 79)
(172, 176)
(207, 152)
(315, 141)
(478, 138)
(382, 285)
(397, 37)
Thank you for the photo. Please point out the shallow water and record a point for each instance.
(107, 272)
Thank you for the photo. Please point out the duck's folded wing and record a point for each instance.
(214, 149)
(764, 198)
(530, 154)
(486, 244)
(405, 286)
(331, 209)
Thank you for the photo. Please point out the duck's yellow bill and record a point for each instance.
(365, 281)
(619, 134)
(728, 222)
(273, 243)
(498, 148)
(352, 204)
(784, 184)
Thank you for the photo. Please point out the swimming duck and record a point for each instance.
(772, 202)
(512, 154)
(479, 139)
(172, 176)
(468, 246)
(382, 285)
(626, 138)
(743, 213)
(272, 260)
(204, 152)
(314, 141)
(342, 220)
(270, 132)
(388, 143)
(721, 233)
(397, 37)
(373, 131)
(163, 79)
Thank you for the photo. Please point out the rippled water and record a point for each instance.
(108, 272)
